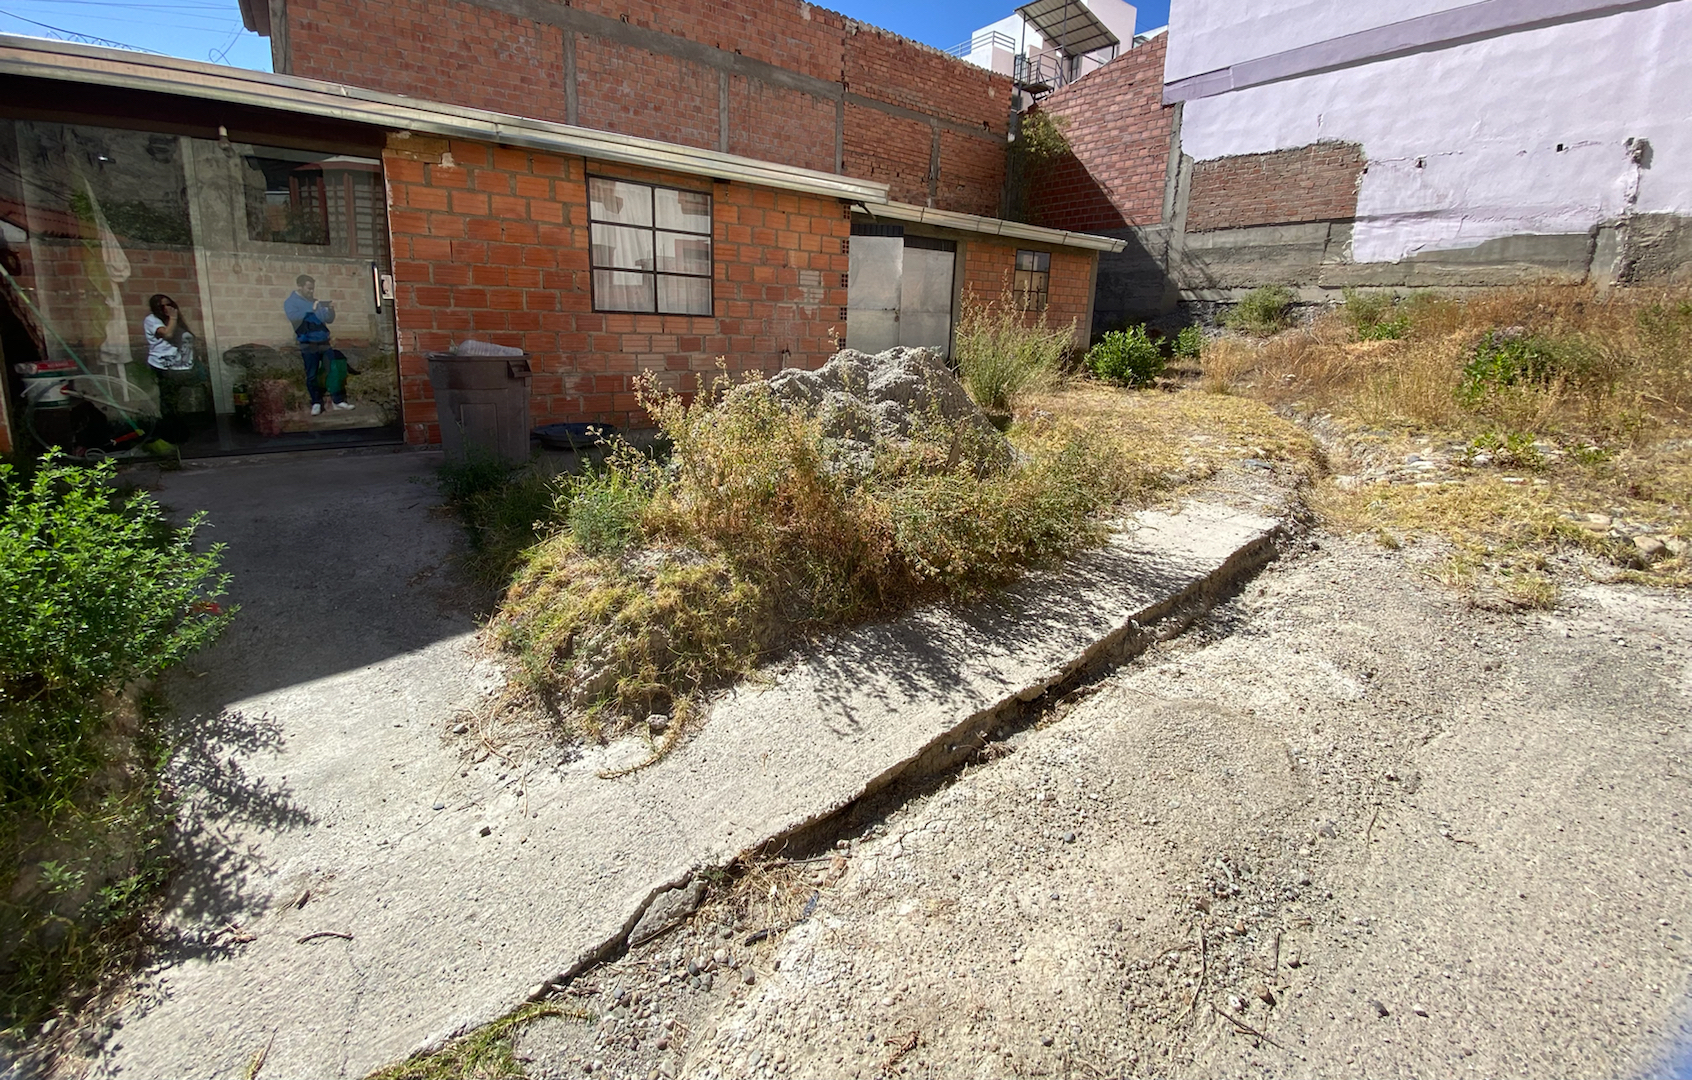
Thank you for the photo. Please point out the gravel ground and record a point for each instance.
(1346, 826)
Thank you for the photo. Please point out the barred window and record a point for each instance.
(651, 248)
(1033, 280)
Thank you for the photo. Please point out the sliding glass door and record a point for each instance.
(165, 294)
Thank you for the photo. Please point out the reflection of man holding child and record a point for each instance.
(311, 318)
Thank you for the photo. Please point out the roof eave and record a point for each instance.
(84, 64)
(1014, 230)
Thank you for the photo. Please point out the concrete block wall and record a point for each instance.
(247, 291)
(801, 85)
(495, 245)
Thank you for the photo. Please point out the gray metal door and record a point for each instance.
(899, 292)
(874, 268)
(925, 299)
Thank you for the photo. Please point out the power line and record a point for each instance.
(146, 7)
(72, 35)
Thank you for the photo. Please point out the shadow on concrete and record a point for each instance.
(337, 562)
(222, 799)
(933, 650)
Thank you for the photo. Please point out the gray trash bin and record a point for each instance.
(483, 401)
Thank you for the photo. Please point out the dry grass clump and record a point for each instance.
(1167, 441)
(1582, 400)
(1616, 366)
(653, 582)
(1003, 353)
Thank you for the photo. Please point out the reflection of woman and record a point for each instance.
(170, 353)
(170, 344)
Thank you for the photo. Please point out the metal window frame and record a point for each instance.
(1044, 292)
(654, 273)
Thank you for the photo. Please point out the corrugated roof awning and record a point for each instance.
(1069, 26)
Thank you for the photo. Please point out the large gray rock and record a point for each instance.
(890, 395)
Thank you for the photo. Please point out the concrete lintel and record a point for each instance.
(1314, 232)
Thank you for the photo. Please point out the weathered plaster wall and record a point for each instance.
(1525, 133)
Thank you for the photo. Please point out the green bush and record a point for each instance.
(1189, 343)
(1374, 316)
(1126, 356)
(1261, 312)
(1001, 352)
(1527, 361)
(97, 592)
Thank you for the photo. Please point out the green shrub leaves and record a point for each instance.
(1126, 356)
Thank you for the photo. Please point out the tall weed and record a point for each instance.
(1003, 352)
(1374, 316)
(1261, 312)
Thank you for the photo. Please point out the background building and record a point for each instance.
(1320, 144)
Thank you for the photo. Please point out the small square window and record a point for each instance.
(1032, 281)
(651, 248)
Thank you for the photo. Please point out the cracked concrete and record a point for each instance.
(359, 885)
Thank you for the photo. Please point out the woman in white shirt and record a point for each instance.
(170, 344)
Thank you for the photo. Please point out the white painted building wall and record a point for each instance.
(1527, 132)
(987, 44)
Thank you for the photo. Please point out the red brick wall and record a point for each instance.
(889, 68)
(61, 281)
(442, 49)
(988, 265)
(495, 246)
(891, 151)
(454, 51)
(775, 124)
(972, 175)
(1118, 130)
(1312, 183)
(641, 93)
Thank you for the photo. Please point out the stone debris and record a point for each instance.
(862, 399)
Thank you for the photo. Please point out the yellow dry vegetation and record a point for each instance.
(1573, 402)
(649, 584)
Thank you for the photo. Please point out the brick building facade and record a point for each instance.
(1118, 134)
(779, 80)
(489, 231)
(1325, 147)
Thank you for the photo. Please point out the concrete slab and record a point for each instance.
(357, 891)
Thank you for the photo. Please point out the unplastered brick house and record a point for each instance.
(612, 188)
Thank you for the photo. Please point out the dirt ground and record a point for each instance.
(1347, 826)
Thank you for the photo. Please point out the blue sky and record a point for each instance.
(211, 29)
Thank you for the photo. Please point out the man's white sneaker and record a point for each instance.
(316, 410)
(345, 405)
